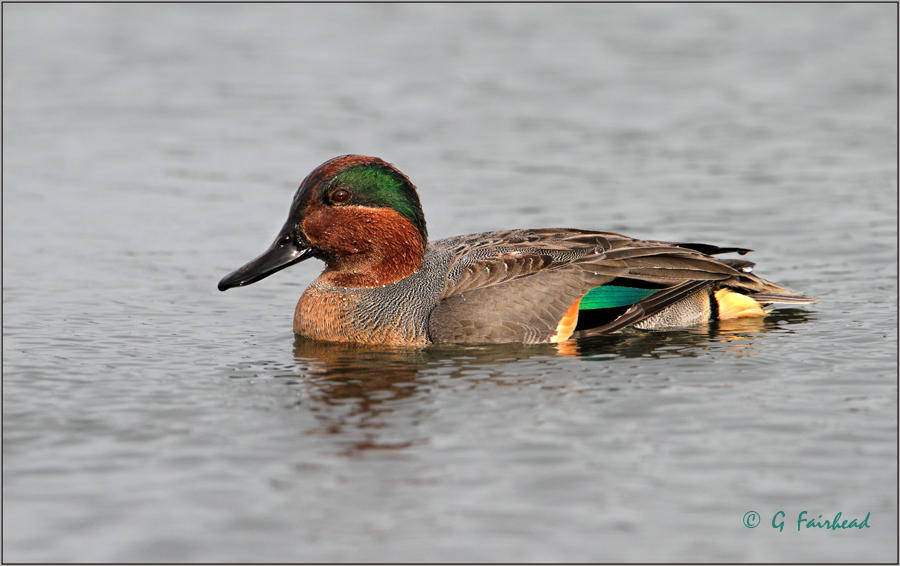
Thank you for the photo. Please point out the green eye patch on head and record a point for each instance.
(378, 186)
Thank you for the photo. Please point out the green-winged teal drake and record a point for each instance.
(385, 283)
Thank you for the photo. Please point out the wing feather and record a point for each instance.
(516, 285)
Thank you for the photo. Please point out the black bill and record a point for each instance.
(284, 252)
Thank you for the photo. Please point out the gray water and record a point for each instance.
(150, 149)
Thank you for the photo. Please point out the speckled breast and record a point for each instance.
(392, 314)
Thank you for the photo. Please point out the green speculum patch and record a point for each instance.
(610, 296)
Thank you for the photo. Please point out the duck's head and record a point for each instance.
(359, 214)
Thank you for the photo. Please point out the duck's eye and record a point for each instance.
(340, 196)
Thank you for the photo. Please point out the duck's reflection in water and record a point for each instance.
(371, 389)
(376, 397)
(354, 385)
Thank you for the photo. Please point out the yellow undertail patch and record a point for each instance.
(567, 323)
(734, 305)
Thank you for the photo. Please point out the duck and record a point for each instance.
(385, 283)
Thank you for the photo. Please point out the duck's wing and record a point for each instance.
(526, 285)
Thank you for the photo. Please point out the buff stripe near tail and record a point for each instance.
(567, 323)
(735, 305)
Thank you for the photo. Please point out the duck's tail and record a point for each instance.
(789, 298)
(625, 303)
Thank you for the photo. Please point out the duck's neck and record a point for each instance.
(373, 268)
(373, 249)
